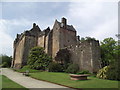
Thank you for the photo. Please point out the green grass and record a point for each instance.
(7, 83)
(64, 79)
(26, 68)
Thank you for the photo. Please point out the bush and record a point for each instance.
(72, 68)
(84, 72)
(5, 60)
(102, 73)
(63, 56)
(108, 72)
(55, 67)
(38, 59)
(5, 64)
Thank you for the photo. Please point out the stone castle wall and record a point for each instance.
(86, 54)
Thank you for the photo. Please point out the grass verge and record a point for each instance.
(26, 68)
(64, 79)
(7, 83)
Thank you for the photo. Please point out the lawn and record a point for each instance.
(64, 79)
(26, 68)
(7, 83)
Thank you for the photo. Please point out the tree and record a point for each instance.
(110, 59)
(5, 60)
(63, 56)
(87, 39)
(108, 49)
(38, 59)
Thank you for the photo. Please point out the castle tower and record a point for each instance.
(63, 36)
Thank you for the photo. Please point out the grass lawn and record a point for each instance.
(64, 79)
(26, 68)
(7, 83)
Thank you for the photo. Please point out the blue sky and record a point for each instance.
(94, 19)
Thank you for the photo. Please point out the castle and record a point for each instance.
(86, 54)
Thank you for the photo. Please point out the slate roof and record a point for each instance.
(69, 27)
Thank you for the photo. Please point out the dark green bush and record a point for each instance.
(63, 56)
(5, 64)
(5, 61)
(55, 67)
(38, 59)
(72, 68)
(84, 72)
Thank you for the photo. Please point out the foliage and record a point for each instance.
(63, 56)
(72, 68)
(27, 67)
(6, 60)
(55, 67)
(38, 59)
(5, 64)
(102, 72)
(84, 72)
(108, 49)
(110, 56)
(87, 39)
(64, 79)
(109, 72)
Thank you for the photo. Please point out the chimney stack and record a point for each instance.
(64, 22)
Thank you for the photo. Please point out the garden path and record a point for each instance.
(30, 82)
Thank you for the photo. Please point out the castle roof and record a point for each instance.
(68, 27)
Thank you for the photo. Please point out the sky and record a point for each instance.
(98, 19)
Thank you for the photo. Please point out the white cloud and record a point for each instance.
(5, 40)
(105, 30)
(96, 19)
(8, 33)
(9, 29)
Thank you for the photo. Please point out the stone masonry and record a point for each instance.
(86, 54)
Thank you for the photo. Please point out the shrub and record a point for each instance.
(84, 72)
(102, 73)
(5, 60)
(5, 64)
(72, 68)
(55, 67)
(38, 59)
(63, 56)
(108, 72)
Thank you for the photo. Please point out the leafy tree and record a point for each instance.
(38, 59)
(87, 39)
(110, 59)
(108, 51)
(5, 60)
(63, 56)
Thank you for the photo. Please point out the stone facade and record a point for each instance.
(86, 54)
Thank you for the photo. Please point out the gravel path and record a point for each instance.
(30, 82)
